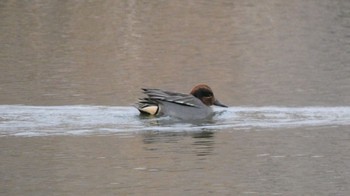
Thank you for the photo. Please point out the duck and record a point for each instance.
(193, 106)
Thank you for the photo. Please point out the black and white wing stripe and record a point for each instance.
(178, 98)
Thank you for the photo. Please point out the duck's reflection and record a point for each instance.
(200, 143)
(204, 143)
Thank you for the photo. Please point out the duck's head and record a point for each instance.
(204, 93)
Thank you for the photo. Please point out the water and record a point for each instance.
(28, 121)
(70, 71)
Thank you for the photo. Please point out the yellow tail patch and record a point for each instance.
(152, 110)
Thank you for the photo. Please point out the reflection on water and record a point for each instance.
(202, 145)
(238, 162)
(293, 55)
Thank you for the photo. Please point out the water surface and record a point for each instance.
(19, 120)
(70, 71)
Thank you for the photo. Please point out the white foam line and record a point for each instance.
(19, 120)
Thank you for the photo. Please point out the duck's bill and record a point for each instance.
(217, 103)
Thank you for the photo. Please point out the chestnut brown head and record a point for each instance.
(204, 93)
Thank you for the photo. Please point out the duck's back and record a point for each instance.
(178, 105)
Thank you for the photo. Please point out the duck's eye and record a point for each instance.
(202, 93)
(206, 93)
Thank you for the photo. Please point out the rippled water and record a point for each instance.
(17, 120)
(70, 71)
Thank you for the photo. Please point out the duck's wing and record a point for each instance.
(155, 95)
